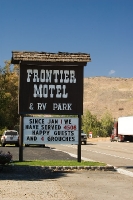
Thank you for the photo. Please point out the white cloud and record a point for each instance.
(112, 72)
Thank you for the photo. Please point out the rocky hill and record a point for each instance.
(114, 95)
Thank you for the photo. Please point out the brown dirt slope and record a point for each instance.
(102, 94)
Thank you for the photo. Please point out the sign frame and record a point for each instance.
(41, 95)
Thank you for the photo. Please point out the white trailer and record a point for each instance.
(125, 128)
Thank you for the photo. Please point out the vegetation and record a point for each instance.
(58, 163)
(8, 96)
(9, 118)
(5, 158)
(102, 128)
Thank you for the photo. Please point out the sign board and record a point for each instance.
(40, 130)
(51, 89)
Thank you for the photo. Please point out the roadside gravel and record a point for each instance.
(33, 183)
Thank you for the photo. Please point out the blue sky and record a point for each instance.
(102, 28)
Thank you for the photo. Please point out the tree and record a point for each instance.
(101, 128)
(90, 123)
(8, 96)
(107, 124)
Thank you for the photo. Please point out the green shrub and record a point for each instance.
(5, 158)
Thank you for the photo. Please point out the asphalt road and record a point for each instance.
(37, 153)
(117, 154)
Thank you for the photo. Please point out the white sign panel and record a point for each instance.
(40, 130)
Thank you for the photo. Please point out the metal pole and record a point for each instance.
(79, 142)
(21, 139)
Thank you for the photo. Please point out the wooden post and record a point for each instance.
(21, 139)
(79, 142)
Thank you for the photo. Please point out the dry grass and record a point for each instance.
(114, 95)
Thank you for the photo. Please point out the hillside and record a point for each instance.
(114, 95)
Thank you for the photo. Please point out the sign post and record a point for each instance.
(79, 142)
(21, 139)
